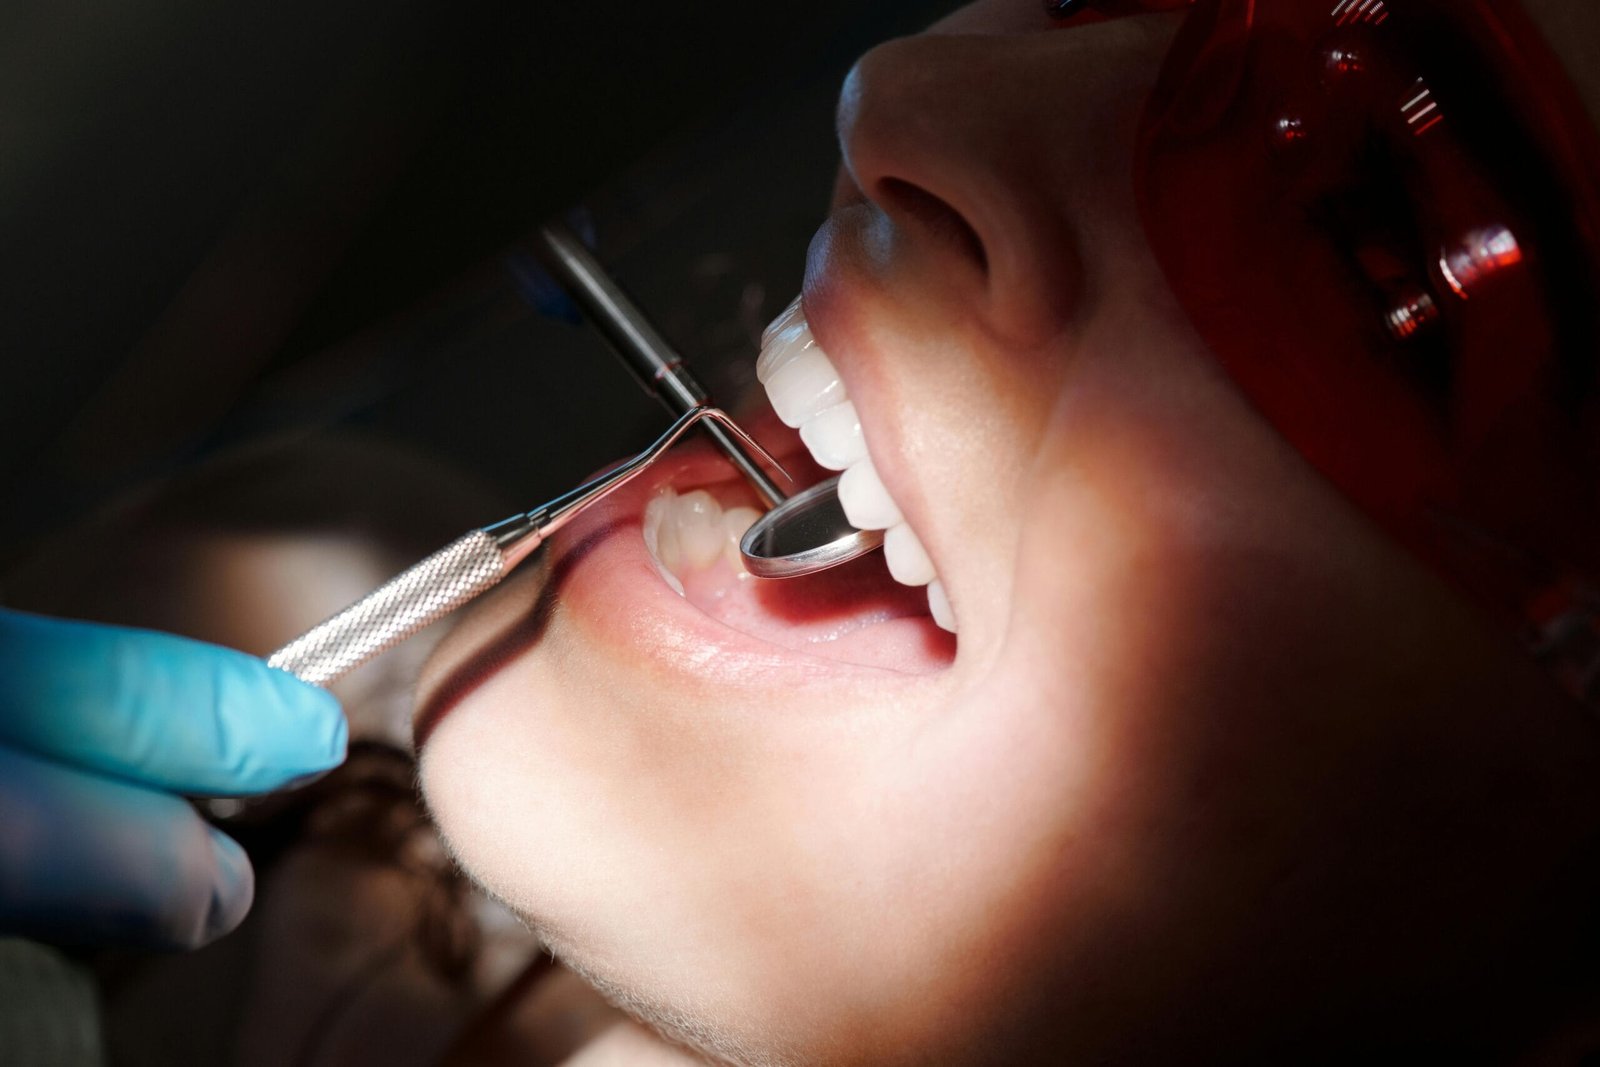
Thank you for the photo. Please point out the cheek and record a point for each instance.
(1276, 712)
(1181, 561)
(1000, 400)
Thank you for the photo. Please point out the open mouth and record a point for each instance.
(658, 565)
(698, 608)
(855, 613)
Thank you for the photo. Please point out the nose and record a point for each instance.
(950, 137)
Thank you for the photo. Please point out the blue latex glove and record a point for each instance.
(101, 729)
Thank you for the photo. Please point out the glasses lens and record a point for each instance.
(1376, 213)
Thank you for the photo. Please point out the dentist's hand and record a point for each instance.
(101, 730)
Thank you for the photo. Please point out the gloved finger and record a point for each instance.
(92, 860)
(173, 713)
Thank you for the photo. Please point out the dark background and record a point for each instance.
(223, 223)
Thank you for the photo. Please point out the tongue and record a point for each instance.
(855, 613)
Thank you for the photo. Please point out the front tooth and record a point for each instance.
(806, 392)
(866, 503)
(834, 436)
(804, 386)
(939, 606)
(908, 561)
(699, 521)
(781, 346)
(784, 319)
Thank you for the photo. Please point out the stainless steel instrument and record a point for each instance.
(658, 367)
(466, 568)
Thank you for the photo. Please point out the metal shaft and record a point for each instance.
(466, 568)
(659, 368)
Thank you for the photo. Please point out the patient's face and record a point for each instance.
(1210, 765)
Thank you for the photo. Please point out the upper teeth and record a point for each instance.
(807, 393)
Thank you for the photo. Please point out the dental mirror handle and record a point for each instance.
(456, 574)
(630, 334)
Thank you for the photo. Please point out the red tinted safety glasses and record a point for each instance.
(1383, 216)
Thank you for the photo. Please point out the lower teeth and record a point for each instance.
(693, 532)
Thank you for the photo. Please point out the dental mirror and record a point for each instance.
(805, 534)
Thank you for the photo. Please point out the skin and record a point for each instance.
(1215, 772)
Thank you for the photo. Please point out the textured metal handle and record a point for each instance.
(399, 608)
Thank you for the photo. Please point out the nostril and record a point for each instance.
(899, 196)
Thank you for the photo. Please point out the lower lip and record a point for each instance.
(850, 624)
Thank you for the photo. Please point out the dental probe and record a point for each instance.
(652, 360)
(464, 569)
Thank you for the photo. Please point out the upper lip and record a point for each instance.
(835, 302)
